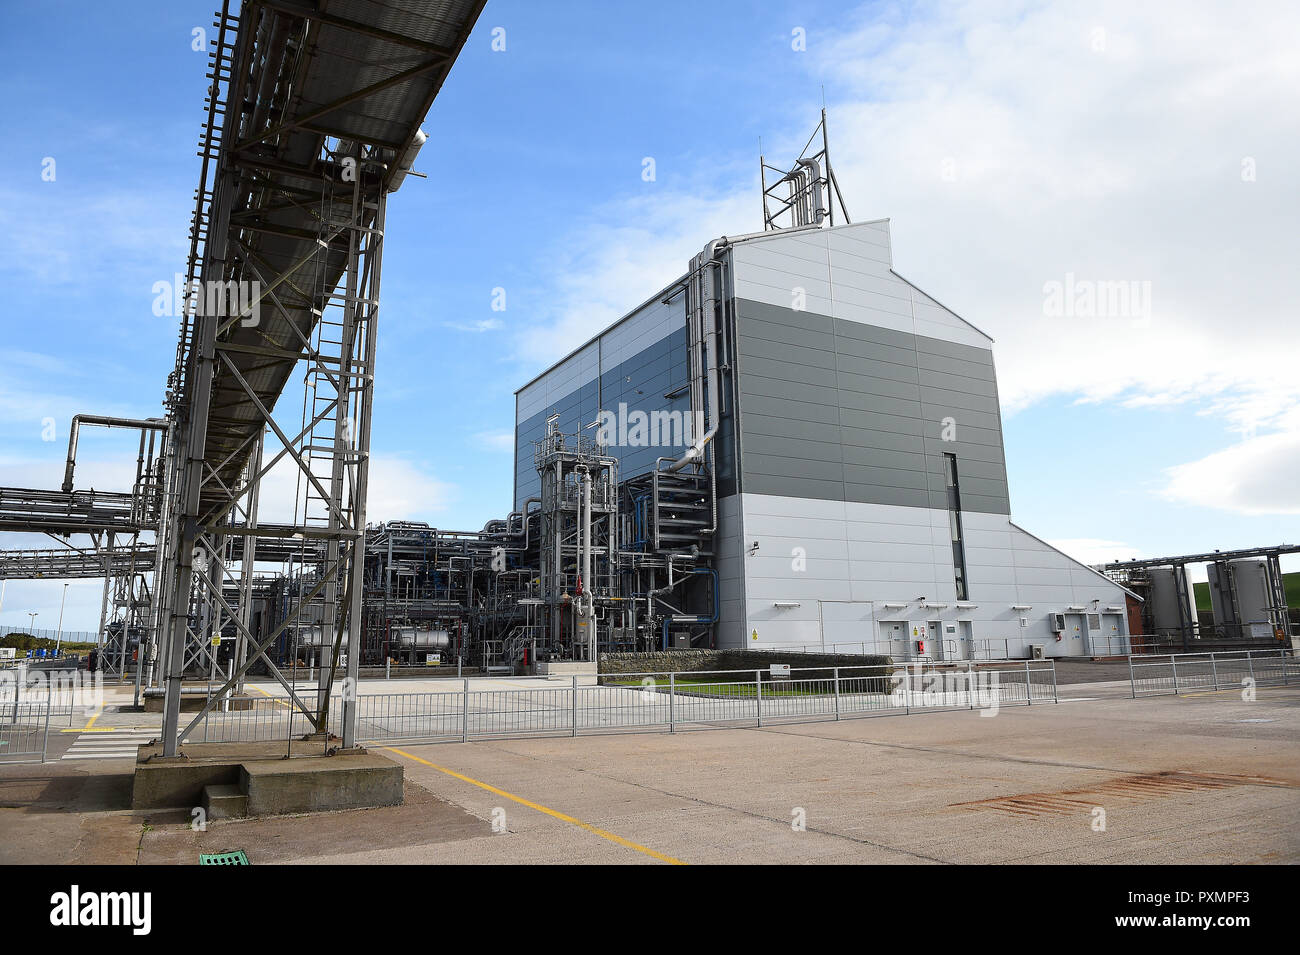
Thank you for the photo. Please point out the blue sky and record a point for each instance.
(1009, 143)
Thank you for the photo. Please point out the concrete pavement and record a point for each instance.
(1199, 778)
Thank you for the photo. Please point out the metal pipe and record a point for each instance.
(707, 325)
(103, 421)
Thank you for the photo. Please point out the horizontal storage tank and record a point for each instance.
(420, 638)
(318, 637)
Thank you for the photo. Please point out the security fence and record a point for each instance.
(1174, 673)
(25, 712)
(487, 708)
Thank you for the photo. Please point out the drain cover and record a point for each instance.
(236, 857)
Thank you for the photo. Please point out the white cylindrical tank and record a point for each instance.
(1164, 601)
(318, 637)
(1250, 576)
(421, 638)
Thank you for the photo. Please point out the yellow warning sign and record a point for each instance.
(754, 635)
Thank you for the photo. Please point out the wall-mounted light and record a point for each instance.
(786, 604)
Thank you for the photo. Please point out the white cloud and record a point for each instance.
(399, 490)
(496, 440)
(623, 253)
(103, 474)
(1257, 476)
(482, 325)
(1122, 163)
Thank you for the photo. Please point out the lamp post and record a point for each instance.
(58, 642)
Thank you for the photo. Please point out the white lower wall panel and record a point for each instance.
(862, 559)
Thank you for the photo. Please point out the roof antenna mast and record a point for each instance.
(807, 193)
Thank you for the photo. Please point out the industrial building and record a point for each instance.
(789, 446)
(853, 442)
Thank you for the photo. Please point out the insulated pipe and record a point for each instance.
(708, 328)
(587, 604)
(406, 160)
(149, 424)
(815, 200)
(585, 520)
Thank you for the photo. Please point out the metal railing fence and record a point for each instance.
(24, 686)
(1173, 673)
(25, 719)
(485, 708)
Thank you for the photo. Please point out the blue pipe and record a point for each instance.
(713, 618)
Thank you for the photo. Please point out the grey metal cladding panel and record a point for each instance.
(769, 424)
(864, 349)
(946, 397)
(977, 487)
(936, 346)
(885, 477)
(969, 467)
(874, 333)
(775, 368)
(967, 435)
(748, 309)
(982, 495)
(875, 494)
(798, 447)
(873, 421)
(958, 367)
(974, 386)
(888, 440)
(797, 411)
(965, 451)
(793, 487)
(889, 391)
(881, 404)
(874, 368)
(978, 422)
(986, 504)
(866, 385)
(785, 332)
(824, 394)
(884, 458)
(779, 351)
(775, 465)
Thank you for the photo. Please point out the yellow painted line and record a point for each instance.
(554, 814)
(264, 693)
(90, 725)
(1230, 689)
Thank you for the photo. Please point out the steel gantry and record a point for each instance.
(313, 119)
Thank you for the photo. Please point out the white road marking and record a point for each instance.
(117, 744)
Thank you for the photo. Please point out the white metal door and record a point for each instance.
(893, 634)
(934, 642)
